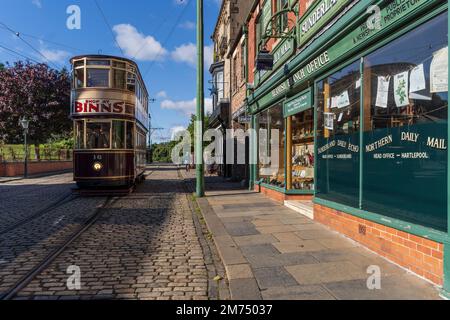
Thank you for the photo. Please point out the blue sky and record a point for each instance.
(159, 34)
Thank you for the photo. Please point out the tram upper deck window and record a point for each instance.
(98, 62)
(98, 135)
(79, 78)
(97, 78)
(119, 79)
(131, 82)
(78, 72)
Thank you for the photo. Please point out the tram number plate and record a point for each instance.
(97, 157)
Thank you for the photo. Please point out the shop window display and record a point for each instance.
(271, 146)
(405, 127)
(302, 150)
(338, 123)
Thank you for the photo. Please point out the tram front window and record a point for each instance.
(98, 135)
(79, 135)
(118, 134)
(98, 78)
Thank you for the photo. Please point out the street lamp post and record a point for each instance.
(200, 185)
(24, 122)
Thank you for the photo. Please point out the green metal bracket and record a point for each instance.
(274, 25)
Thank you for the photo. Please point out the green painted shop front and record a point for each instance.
(378, 96)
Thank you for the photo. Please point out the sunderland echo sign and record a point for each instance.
(317, 16)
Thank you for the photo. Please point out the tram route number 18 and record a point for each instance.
(97, 157)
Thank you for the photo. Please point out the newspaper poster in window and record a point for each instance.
(401, 89)
(382, 91)
(439, 71)
(328, 120)
(417, 79)
(343, 100)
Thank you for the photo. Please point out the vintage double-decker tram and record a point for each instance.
(110, 113)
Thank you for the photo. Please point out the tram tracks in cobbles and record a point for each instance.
(66, 198)
(30, 275)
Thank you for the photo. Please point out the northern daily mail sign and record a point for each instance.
(102, 106)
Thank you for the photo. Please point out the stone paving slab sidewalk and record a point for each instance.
(272, 252)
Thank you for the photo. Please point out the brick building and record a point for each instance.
(363, 127)
(227, 32)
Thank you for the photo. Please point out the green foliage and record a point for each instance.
(161, 152)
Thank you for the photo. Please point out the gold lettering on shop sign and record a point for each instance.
(409, 136)
(380, 143)
(436, 143)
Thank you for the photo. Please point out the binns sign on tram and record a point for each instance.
(103, 106)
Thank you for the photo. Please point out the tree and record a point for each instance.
(2, 66)
(39, 93)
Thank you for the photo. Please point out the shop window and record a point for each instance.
(338, 118)
(98, 135)
(118, 134)
(271, 146)
(405, 127)
(79, 134)
(302, 125)
(98, 78)
(130, 135)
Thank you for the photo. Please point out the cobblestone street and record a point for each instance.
(142, 246)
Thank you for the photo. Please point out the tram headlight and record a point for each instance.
(97, 166)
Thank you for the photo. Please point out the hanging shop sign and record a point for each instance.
(281, 53)
(102, 106)
(299, 103)
(318, 16)
(245, 119)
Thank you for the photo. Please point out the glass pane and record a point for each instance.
(338, 108)
(98, 62)
(303, 150)
(79, 135)
(79, 78)
(98, 135)
(120, 65)
(131, 82)
(405, 138)
(98, 78)
(79, 63)
(271, 146)
(119, 79)
(130, 135)
(118, 134)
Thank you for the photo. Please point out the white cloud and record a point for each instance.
(59, 56)
(190, 25)
(186, 107)
(37, 3)
(175, 130)
(187, 53)
(209, 55)
(161, 94)
(138, 45)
